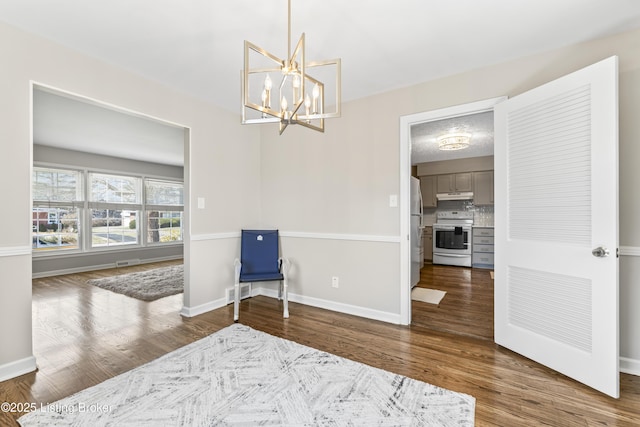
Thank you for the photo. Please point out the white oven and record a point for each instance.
(452, 234)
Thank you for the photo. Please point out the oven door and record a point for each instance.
(452, 239)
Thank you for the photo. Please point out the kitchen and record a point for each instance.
(454, 175)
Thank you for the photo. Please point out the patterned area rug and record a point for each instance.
(147, 285)
(240, 376)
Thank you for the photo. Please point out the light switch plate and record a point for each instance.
(200, 202)
(393, 201)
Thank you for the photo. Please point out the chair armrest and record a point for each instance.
(237, 266)
(285, 264)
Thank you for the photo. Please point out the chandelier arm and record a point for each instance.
(294, 77)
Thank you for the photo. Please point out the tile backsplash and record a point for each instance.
(482, 215)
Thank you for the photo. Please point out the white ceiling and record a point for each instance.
(424, 147)
(196, 46)
(71, 123)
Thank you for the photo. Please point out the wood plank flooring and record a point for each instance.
(466, 309)
(84, 335)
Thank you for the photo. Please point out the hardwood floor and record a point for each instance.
(84, 335)
(466, 309)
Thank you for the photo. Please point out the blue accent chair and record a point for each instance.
(260, 262)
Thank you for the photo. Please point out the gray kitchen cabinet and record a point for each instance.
(454, 182)
(428, 243)
(428, 189)
(483, 188)
(483, 249)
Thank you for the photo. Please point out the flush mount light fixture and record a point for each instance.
(454, 141)
(300, 97)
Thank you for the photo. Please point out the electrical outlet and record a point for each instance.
(335, 282)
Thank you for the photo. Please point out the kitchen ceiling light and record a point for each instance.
(454, 141)
(301, 99)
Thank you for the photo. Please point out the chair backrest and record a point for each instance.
(259, 251)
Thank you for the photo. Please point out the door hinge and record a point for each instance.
(617, 252)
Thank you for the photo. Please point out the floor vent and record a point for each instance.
(245, 292)
(127, 262)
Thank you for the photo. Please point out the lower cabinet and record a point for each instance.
(482, 255)
(428, 243)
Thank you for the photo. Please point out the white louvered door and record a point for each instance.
(556, 186)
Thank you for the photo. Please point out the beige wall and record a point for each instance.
(341, 182)
(222, 164)
(328, 193)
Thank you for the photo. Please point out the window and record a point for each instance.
(113, 201)
(57, 199)
(109, 211)
(164, 209)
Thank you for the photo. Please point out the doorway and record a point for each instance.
(406, 124)
(77, 137)
(89, 148)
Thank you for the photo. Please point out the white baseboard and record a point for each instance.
(99, 267)
(354, 310)
(17, 368)
(203, 308)
(314, 302)
(333, 306)
(630, 366)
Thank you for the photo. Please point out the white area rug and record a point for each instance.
(147, 285)
(240, 376)
(431, 296)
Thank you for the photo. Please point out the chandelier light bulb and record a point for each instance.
(296, 88)
(316, 94)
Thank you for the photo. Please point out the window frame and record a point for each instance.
(86, 206)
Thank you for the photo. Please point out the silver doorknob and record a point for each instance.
(600, 252)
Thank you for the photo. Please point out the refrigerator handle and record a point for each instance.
(421, 208)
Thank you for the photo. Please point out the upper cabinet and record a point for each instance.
(483, 188)
(428, 189)
(454, 182)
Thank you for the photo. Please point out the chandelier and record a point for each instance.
(283, 90)
(453, 141)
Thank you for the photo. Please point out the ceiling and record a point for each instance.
(196, 46)
(424, 147)
(71, 123)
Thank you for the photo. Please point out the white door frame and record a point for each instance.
(405, 173)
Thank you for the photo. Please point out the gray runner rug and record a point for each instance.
(147, 285)
(240, 376)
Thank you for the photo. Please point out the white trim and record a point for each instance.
(354, 310)
(215, 236)
(203, 308)
(337, 236)
(98, 267)
(630, 366)
(306, 235)
(15, 251)
(17, 368)
(93, 101)
(629, 251)
(405, 173)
